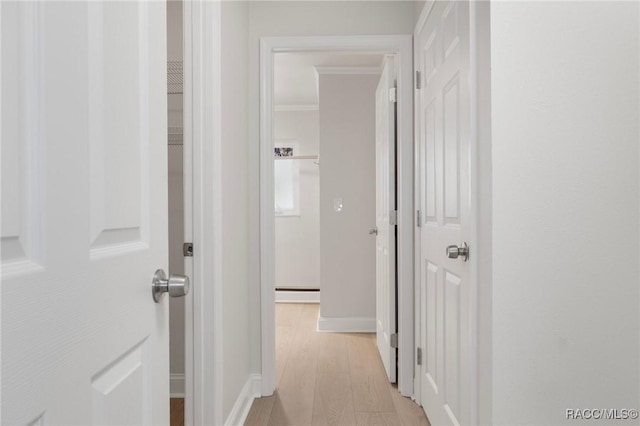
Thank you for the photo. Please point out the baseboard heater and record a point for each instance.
(297, 295)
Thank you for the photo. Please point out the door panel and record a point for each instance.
(121, 392)
(431, 203)
(21, 155)
(84, 213)
(442, 53)
(117, 118)
(451, 157)
(385, 203)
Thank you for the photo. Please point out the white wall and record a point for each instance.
(347, 149)
(235, 209)
(176, 263)
(176, 203)
(174, 30)
(302, 19)
(418, 6)
(556, 152)
(565, 209)
(298, 237)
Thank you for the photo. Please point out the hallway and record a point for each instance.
(329, 378)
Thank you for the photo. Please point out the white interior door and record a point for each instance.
(385, 204)
(84, 213)
(442, 56)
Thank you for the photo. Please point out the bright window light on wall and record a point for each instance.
(286, 178)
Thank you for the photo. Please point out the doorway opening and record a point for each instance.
(176, 202)
(195, 39)
(401, 48)
(324, 198)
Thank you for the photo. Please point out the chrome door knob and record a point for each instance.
(373, 231)
(453, 252)
(175, 285)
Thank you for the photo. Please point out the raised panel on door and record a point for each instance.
(21, 236)
(450, 30)
(430, 319)
(443, 105)
(430, 58)
(451, 132)
(84, 145)
(120, 395)
(429, 164)
(118, 122)
(451, 342)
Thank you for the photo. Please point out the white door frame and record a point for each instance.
(202, 199)
(402, 46)
(480, 200)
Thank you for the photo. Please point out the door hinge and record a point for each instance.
(418, 219)
(393, 217)
(419, 356)
(393, 341)
(418, 80)
(393, 95)
(187, 249)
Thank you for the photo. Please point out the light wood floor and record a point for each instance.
(329, 378)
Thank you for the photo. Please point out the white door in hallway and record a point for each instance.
(442, 110)
(84, 213)
(385, 204)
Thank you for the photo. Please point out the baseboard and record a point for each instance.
(284, 296)
(176, 385)
(347, 324)
(249, 392)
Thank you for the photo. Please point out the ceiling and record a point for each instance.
(295, 78)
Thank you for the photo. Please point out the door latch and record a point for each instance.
(453, 252)
(393, 341)
(176, 285)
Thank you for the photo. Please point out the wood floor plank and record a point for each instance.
(333, 401)
(410, 413)
(288, 313)
(295, 336)
(278, 415)
(305, 340)
(176, 406)
(377, 419)
(369, 381)
(371, 394)
(284, 338)
(333, 355)
(295, 394)
(260, 411)
(363, 354)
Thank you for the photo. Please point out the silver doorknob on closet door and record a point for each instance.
(373, 231)
(453, 252)
(176, 285)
